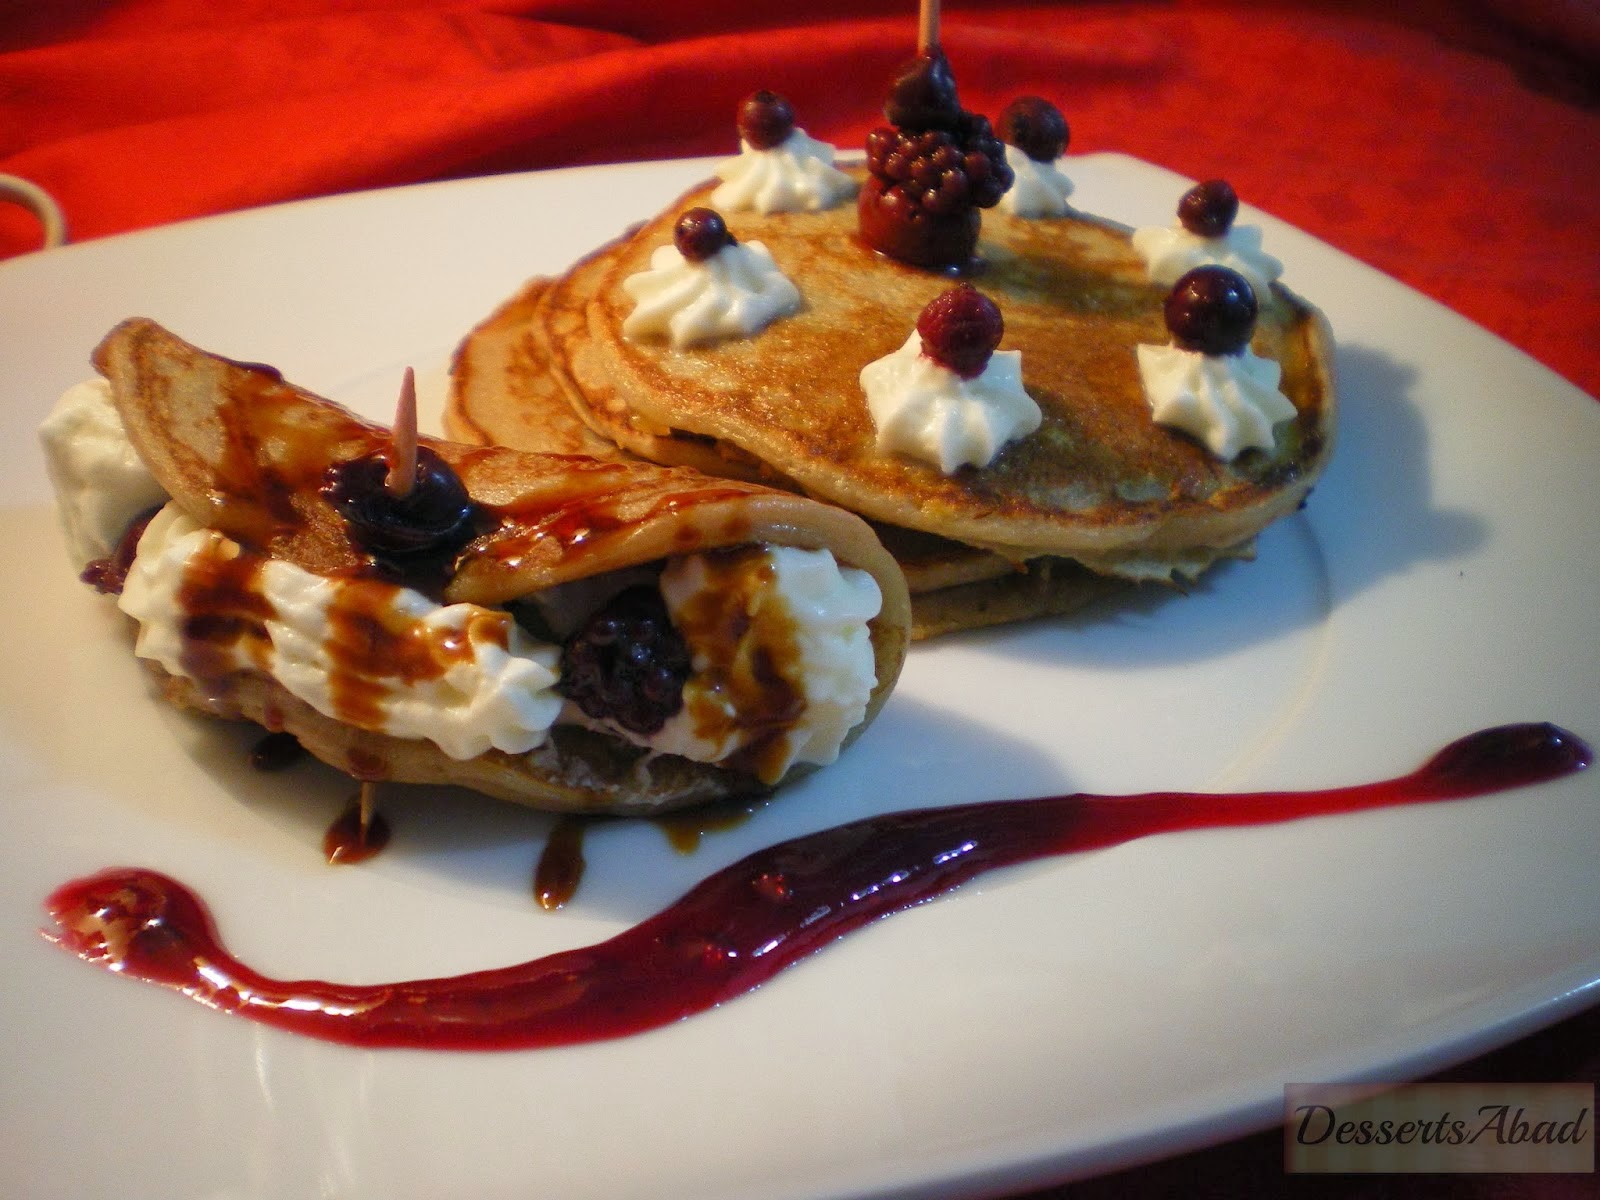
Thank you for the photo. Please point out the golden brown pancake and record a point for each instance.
(1099, 483)
(241, 451)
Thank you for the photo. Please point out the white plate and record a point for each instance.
(1053, 1020)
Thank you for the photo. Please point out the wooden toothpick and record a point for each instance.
(928, 27)
(403, 453)
(367, 807)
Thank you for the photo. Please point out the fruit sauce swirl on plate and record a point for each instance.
(738, 927)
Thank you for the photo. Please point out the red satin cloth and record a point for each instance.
(1458, 151)
(1455, 146)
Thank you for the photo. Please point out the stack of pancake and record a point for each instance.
(1099, 498)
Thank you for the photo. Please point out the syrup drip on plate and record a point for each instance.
(561, 863)
(741, 925)
(358, 833)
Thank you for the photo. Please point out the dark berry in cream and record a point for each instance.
(700, 233)
(1212, 310)
(1036, 127)
(1208, 209)
(960, 329)
(765, 120)
(627, 663)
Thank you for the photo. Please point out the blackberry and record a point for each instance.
(932, 169)
(1208, 209)
(765, 120)
(1212, 310)
(960, 330)
(627, 663)
(700, 233)
(941, 172)
(1036, 127)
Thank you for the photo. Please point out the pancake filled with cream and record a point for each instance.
(1089, 492)
(569, 633)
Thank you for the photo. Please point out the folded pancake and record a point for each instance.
(1099, 484)
(782, 622)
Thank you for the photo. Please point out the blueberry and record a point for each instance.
(700, 233)
(1212, 310)
(923, 94)
(435, 516)
(1208, 209)
(765, 119)
(1036, 127)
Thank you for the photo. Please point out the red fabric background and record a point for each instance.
(1455, 146)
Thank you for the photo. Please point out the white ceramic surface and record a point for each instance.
(1052, 1020)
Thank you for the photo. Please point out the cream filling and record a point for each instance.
(100, 483)
(383, 658)
(470, 679)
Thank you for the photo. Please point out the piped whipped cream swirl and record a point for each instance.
(735, 293)
(927, 411)
(797, 175)
(1230, 403)
(1038, 189)
(1170, 252)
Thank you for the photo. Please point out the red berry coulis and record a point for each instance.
(737, 928)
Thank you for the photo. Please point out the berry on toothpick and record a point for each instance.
(923, 94)
(403, 501)
(1211, 310)
(402, 474)
(932, 168)
(960, 330)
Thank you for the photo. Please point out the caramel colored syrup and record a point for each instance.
(375, 648)
(747, 655)
(225, 614)
(349, 841)
(561, 863)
